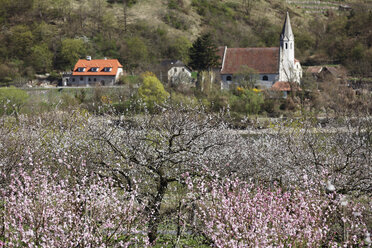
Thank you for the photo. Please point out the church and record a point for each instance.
(272, 66)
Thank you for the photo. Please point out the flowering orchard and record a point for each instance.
(238, 214)
(43, 208)
(181, 178)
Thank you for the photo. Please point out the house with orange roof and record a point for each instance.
(89, 72)
(269, 64)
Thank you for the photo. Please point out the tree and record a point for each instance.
(156, 151)
(246, 77)
(71, 51)
(248, 5)
(20, 41)
(134, 52)
(203, 53)
(41, 58)
(152, 91)
(179, 49)
(247, 215)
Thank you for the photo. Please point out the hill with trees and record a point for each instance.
(45, 36)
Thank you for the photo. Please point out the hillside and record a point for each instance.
(45, 36)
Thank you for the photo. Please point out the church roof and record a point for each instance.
(285, 86)
(262, 60)
(287, 29)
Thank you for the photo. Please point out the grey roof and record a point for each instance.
(287, 33)
(169, 62)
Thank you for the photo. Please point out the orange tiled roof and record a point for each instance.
(285, 86)
(263, 60)
(100, 63)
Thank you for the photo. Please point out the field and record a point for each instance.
(180, 177)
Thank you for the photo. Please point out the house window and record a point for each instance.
(73, 80)
(228, 78)
(94, 69)
(183, 69)
(81, 69)
(265, 78)
(107, 69)
(95, 79)
(89, 79)
(81, 78)
(286, 45)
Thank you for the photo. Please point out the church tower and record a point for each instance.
(287, 71)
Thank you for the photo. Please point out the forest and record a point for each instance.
(45, 36)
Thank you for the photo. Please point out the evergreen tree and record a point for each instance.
(203, 53)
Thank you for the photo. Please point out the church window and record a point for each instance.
(286, 45)
(228, 78)
(265, 78)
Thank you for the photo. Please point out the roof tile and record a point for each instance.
(284, 86)
(263, 60)
(100, 63)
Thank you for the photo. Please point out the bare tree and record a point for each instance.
(151, 152)
(248, 5)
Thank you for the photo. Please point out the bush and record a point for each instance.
(152, 92)
(176, 20)
(12, 100)
(246, 101)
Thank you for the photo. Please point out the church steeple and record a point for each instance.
(287, 33)
(286, 52)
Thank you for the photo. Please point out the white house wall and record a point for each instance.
(177, 71)
(119, 73)
(84, 80)
(260, 83)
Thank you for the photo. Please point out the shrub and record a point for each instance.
(12, 100)
(152, 92)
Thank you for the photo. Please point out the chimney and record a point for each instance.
(89, 58)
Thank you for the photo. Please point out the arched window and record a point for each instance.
(265, 78)
(228, 78)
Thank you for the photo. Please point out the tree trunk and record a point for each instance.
(154, 208)
(125, 14)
